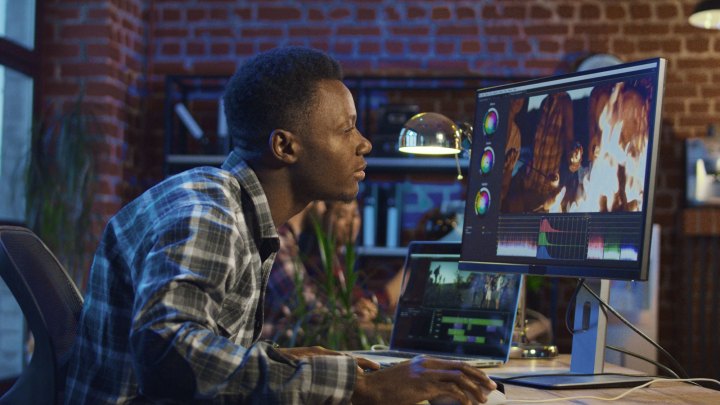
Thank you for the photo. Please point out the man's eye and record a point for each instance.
(352, 128)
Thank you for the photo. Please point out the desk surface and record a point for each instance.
(664, 392)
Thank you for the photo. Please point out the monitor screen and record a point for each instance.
(562, 172)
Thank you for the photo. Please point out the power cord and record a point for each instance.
(605, 305)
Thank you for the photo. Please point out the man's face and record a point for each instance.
(331, 161)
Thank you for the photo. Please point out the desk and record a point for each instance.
(665, 393)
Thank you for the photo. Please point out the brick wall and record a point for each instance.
(97, 49)
(102, 43)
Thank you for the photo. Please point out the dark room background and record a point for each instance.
(119, 53)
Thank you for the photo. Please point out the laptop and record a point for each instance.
(448, 313)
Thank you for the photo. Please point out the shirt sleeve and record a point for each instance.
(181, 353)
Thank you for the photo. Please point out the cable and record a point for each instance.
(676, 364)
(641, 357)
(615, 398)
(580, 283)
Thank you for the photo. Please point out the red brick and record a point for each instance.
(214, 32)
(440, 13)
(411, 31)
(415, 12)
(640, 11)
(86, 31)
(345, 48)
(339, 13)
(315, 14)
(597, 29)
(244, 13)
(521, 47)
(459, 31)
(392, 14)
(448, 65)
(646, 29)
(62, 51)
(540, 13)
(490, 12)
(615, 12)
(546, 29)
(566, 11)
(195, 48)
(622, 46)
(514, 12)
(470, 46)
(195, 14)
(170, 49)
(84, 69)
(278, 13)
(394, 47)
(218, 14)
(214, 67)
(507, 30)
(589, 12)
(260, 32)
(365, 14)
(667, 11)
(170, 32)
(419, 47)
(465, 13)
(343, 30)
(697, 44)
(575, 45)
(369, 48)
(444, 48)
(219, 48)
(496, 47)
(549, 46)
(549, 65)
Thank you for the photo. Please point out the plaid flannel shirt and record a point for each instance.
(174, 303)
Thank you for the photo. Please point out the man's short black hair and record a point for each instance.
(274, 90)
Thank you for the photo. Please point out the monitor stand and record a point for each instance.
(588, 350)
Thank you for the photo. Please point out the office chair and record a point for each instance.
(51, 304)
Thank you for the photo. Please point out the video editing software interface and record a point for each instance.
(561, 174)
(448, 310)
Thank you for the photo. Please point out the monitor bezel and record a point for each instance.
(639, 272)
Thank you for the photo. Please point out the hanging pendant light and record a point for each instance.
(706, 14)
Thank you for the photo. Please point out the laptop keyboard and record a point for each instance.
(410, 355)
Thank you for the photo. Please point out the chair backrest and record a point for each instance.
(51, 304)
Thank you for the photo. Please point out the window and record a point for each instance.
(18, 72)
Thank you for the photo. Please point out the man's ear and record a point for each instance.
(284, 145)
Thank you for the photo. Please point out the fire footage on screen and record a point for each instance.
(582, 150)
(570, 182)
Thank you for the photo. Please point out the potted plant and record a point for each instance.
(59, 177)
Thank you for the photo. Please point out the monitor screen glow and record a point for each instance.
(562, 173)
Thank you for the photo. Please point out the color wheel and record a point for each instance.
(487, 160)
(490, 122)
(482, 201)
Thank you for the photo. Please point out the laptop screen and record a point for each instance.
(446, 310)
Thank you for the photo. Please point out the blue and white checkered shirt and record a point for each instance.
(174, 303)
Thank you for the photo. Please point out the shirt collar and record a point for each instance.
(250, 183)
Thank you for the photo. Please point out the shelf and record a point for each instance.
(415, 163)
(374, 163)
(196, 159)
(382, 251)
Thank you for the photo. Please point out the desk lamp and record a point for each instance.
(434, 134)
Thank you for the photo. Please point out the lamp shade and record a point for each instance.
(706, 14)
(430, 134)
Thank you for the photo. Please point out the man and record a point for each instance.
(174, 304)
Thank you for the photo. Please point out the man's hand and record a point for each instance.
(422, 378)
(297, 353)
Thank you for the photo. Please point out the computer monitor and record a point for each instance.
(561, 180)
